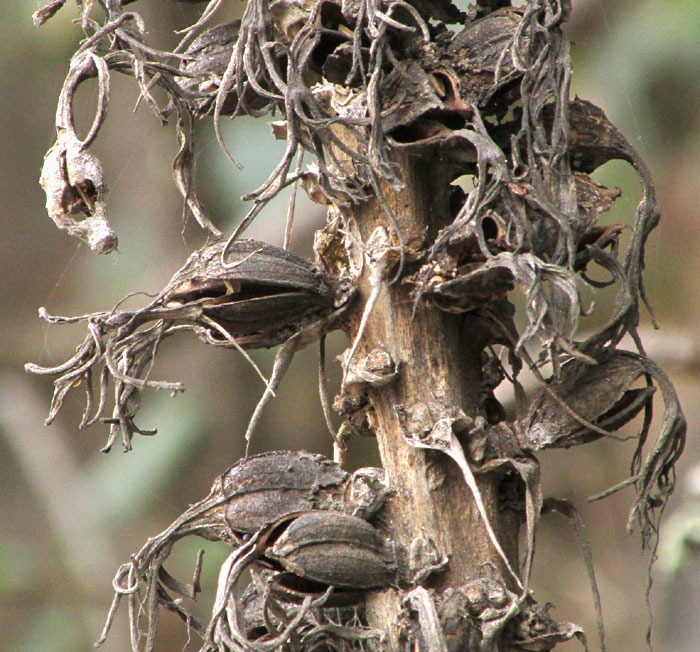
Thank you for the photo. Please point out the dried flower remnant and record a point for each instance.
(73, 181)
(246, 295)
(120, 44)
(72, 177)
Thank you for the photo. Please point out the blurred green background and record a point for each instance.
(70, 515)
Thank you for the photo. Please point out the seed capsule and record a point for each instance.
(265, 488)
(335, 549)
(260, 491)
(258, 294)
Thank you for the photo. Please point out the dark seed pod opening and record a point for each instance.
(257, 293)
(243, 295)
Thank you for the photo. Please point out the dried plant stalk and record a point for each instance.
(393, 109)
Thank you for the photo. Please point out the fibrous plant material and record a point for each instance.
(386, 99)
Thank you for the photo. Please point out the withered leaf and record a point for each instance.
(601, 394)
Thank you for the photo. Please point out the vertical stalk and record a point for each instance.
(439, 361)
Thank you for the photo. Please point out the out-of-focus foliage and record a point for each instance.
(639, 60)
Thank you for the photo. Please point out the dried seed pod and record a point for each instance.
(205, 66)
(258, 294)
(245, 505)
(256, 492)
(335, 549)
(601, 395)
(477, 51)
(262, 489)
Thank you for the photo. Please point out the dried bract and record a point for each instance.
(481, 54)
(204, 66)
(334, 627)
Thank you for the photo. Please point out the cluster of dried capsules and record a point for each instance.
(300, 524)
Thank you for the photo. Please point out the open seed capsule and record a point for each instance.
(267, 487)
(258, 294)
